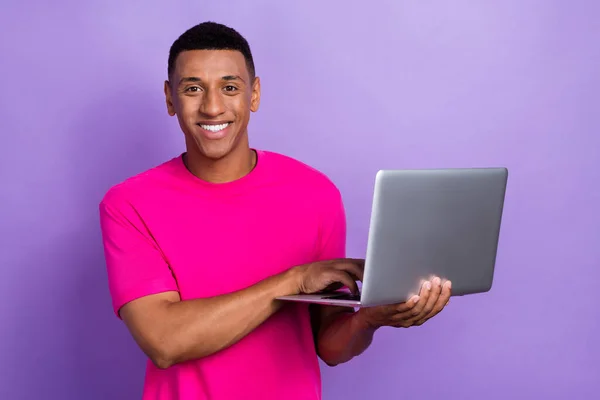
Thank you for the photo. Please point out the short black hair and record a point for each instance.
(210, 36)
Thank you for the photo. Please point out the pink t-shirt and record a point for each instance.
(166, 230)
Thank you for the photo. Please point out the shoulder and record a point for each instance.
(139, 186)
(301, 174)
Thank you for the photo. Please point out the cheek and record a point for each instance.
(188, 106)
(240, 105)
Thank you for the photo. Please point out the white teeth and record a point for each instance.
(214, 128)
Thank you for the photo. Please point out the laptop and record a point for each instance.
(424, 223)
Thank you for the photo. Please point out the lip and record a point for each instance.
(213, 122)
(210, 135)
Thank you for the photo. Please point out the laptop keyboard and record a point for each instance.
(344, 296)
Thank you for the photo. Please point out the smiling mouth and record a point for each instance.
(214, 127)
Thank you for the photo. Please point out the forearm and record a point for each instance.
(193, 329)
(344, 338)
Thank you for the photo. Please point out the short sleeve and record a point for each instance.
(332, 238)
(134, 262)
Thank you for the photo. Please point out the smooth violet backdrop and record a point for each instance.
(350, 88)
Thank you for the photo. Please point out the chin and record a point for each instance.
(216, 150)
(215, 155)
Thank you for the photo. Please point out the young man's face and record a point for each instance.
(212, 94)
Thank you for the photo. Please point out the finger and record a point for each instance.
(407, 305)
(352, 268)
(333, 287)
(441, 302)
(359, 262)
(417, 308)
(436, 289)
(436, 310)
(425, 296)
(445, 294)
(345, 278)
(413, 301)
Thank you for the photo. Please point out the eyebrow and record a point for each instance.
(190, 79)
(233, 78)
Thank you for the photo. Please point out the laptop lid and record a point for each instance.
(443, 222)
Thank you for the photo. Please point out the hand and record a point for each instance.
(329, 275)
(432, 299)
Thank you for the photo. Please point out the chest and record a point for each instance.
(220, 246)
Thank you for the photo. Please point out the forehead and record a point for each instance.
(210, 63)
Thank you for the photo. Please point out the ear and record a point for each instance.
(169, 99)
(255, 99)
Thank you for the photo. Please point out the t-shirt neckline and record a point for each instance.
(237, 185)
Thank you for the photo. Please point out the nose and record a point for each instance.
(212, 103)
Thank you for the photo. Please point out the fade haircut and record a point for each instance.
(211, 36)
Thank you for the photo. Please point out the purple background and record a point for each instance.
(396, 84)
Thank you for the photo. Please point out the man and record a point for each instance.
(198, 248)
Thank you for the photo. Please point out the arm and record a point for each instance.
(170, 331)
(340, 334)
(145, 294)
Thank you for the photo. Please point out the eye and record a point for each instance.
(230, 88)
(192, 89)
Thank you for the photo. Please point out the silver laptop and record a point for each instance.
(424, 223)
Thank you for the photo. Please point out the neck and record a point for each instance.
(233, 166)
